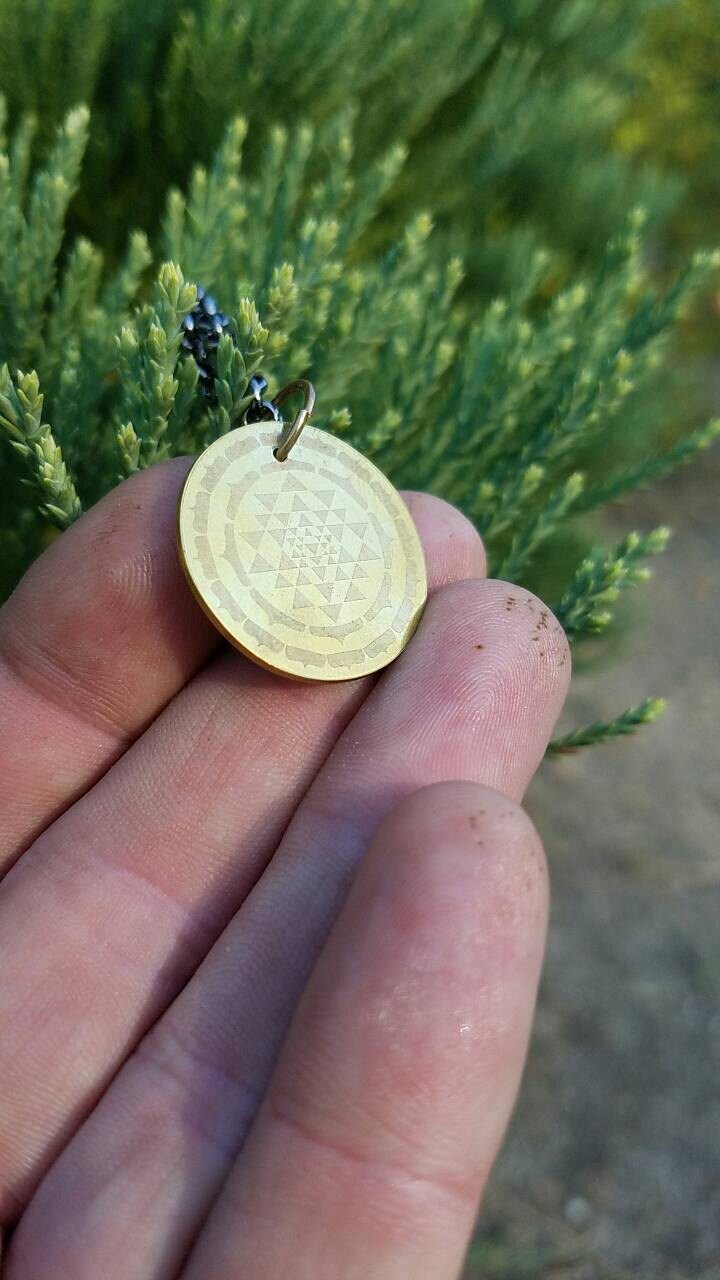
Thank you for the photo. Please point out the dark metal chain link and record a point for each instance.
(203, 327)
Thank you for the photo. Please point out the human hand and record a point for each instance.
(268, 951)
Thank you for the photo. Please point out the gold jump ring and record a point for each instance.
(291, 431)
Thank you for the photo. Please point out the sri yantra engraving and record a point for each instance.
(312, 565)
(309, 550)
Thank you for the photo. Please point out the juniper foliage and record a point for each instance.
(674, 114)
(608, 730)
(504, 108)
(298, 226)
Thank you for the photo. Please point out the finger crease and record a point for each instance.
(48, 687)
(459, 1193)
(206, 1096)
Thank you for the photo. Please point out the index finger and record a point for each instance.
(99, 635)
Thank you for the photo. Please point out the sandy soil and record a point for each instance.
(612, 1166)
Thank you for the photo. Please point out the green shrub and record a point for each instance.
(484, 350)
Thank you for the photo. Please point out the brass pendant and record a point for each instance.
(311, 566)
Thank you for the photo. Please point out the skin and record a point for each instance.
(269, 951)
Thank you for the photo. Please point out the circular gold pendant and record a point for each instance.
(311, 566)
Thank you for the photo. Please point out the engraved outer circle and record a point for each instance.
(311, 566)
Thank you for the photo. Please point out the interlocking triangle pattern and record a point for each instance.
(304, 547)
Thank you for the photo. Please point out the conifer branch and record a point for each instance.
(21, 408)
(608, 730)
(148, 351)
(472, 358)
(586, 607)
(543, 524)
(652, 469)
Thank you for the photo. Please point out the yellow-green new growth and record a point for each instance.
(495, 406)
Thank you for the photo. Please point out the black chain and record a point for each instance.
(203, 327)
(260, 410)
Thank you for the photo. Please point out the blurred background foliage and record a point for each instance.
(510, 109)
(563, 151)
(673, 117)
(672, 121)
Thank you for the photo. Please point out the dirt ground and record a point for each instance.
(612, 1165)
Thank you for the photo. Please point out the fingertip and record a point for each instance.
(466, 830)
(453, 547)
(493, 665)
(513, 616)
(529, 614)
